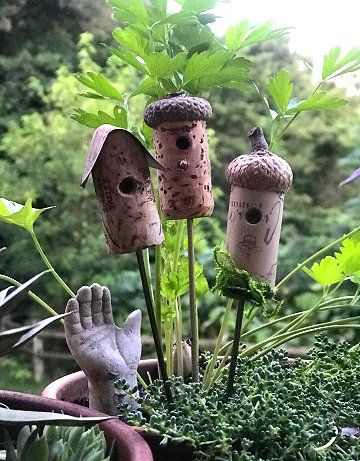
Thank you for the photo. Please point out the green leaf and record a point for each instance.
(22, 417)
(21, 215)
(17, 337)
(91, 95)
(234, 35)
(132, 41)
(349, 257)
(130, 58)
(100, 84)
(149, 86)
(95, 120)
(197, 6)
(182, 18)
(318, 101)
(130, 12)
(332, 62)
(326, 272)
(161, 65)
(8, 301)
(160, 5)
(38, 450)
(205, 63)
(196, 38)
(235, 74)
(281, 88)
(259, 34)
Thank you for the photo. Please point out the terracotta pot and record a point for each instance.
(74, 388)
(129, 445)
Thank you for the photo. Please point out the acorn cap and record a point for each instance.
(177, 107)
(260, 169)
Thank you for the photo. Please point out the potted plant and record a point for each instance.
(265, 407)
(32, 412)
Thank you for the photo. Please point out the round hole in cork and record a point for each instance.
(128, 186)
(253, 215)
(183, 142)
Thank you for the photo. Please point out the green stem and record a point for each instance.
(219, 369)
(235, 347)
(211, 365)
(251, 318)
(324, 307)
(299, 333)
(279, 339)
(315, 256)
(158, 270)
(33, 296)
(154, 330)
(291, 316)
(194, 325)
(178, 337)
(148, 273)
(168, 346)
(178, 243)
(49, 265)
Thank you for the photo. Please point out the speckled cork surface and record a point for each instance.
(121, 179)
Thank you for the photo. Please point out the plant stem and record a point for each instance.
(49, 265)
(305, 331)
(211, 365)
(155, 332)
(168, 345)
(279, 339)
(158, 270)
(235, 347)
(148, 272)
(32, 295)
(314, 256)
(178, 337)
(194, 322)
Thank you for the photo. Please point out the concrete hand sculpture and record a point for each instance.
(103, 351)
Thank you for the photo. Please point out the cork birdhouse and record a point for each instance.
(258, 182)
(119, 165)
(181, 145)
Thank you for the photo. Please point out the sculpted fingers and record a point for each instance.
(106, 307)
(96, 306)
(72, 321)
(84, 297)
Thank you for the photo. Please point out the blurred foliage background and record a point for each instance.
(42, 152)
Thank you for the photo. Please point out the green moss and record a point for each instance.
(280, 410)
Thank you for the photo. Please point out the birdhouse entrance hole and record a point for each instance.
(183, 142)
(253, 215)
(128, 186)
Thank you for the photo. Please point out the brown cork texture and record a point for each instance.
(258, 183)
(181, 146)
(185, 190)
(122, 183)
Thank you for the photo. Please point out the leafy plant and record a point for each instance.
(289, 108)
(280, 409)
(57, 443)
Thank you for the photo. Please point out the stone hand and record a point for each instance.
(103, 351)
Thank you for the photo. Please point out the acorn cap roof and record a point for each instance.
(260, 169)
(177, 107)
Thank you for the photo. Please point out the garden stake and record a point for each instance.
(185, 189)
(258, 183)
(153, 324)
(119, 164)
(235, 347)
(194, 323)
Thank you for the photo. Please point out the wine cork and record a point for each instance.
(119, 165)
(181, 145)
(258, 181)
